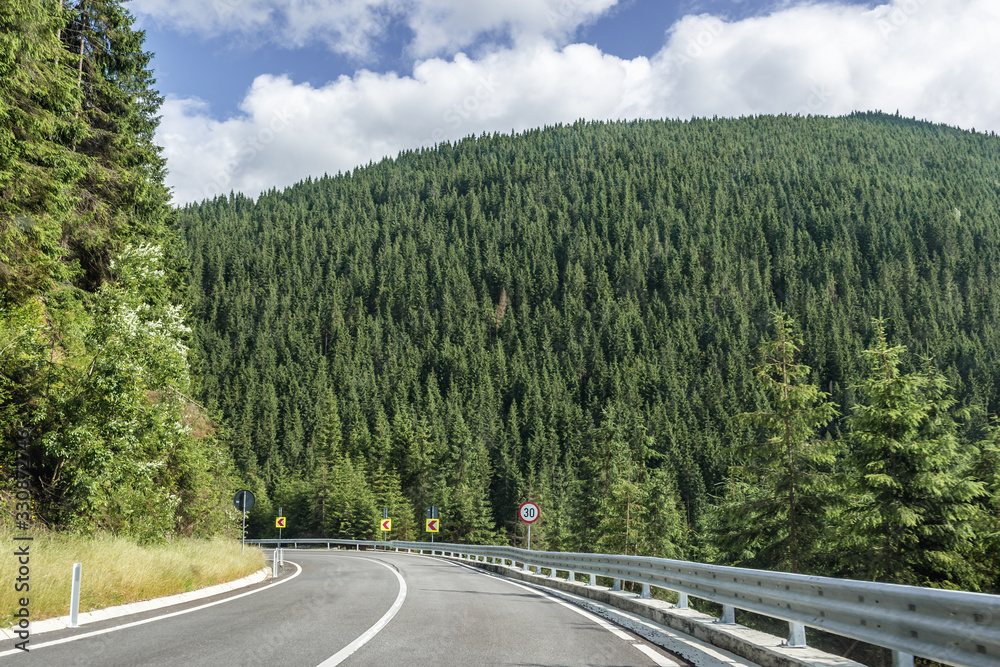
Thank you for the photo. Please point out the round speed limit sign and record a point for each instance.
(528, 512)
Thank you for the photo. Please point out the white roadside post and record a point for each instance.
(74, 601)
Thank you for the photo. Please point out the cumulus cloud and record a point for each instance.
(353, 27)
(928, 58)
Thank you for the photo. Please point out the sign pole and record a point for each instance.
(243, 500)
(529, 537)
(279, 527)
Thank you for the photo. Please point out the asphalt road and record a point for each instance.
(350, 608)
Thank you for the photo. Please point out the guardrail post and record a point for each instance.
(796, 634)
(682, 601)
(593, 580)
(645, 591)
(74, 600)
(571, 576)
(728, 615)
(526, 568)
(617, 586)
(900, 659)
(552, 573)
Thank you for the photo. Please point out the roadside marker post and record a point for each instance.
(279, 523)
(74, 600)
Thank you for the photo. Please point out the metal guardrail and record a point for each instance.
(954, 627)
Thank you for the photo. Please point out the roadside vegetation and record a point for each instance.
(118, 570)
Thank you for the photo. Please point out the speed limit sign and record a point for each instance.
(528, 512)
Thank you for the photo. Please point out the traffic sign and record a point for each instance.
(386, 525)
(244, 501)
(279, 522)
(433, 525)
(528, 512)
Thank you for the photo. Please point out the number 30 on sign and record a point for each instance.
(528, 512)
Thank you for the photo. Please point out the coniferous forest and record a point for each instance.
(769, 341)
(764, 341)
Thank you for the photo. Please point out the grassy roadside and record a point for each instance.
(115, 570)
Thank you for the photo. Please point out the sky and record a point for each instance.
(264, 93)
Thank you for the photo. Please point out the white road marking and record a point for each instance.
(155, 618)
(345, 652)
(660, 660)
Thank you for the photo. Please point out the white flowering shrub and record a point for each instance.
(107, 411)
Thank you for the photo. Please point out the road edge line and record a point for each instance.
(133, 624)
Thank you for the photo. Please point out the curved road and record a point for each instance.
(350, 608)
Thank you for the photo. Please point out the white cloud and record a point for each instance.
(930, 59)
(353, 27)
(446, 25)
(209, 17)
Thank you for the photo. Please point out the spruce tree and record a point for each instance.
(38, 98)
(914, 498)
(773, 514)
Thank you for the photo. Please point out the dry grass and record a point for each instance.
(115, 571)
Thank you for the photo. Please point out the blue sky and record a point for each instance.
(263, 93)
(220, 68)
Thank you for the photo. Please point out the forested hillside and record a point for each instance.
(94, 370)
(578, 315)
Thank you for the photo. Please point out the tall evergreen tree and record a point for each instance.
(915, 500)
(38, 97)
(774, 512)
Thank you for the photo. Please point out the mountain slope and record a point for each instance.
(472, 322)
